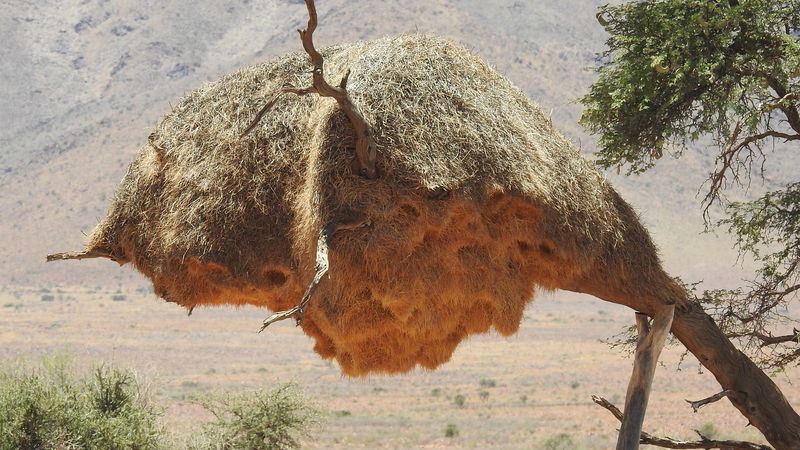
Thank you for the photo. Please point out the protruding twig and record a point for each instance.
(261, 113)
(697, 404)
(668, 442)
(648, 348)
(365, 146)
(78, 255)
(323, 240)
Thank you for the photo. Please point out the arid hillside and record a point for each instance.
(83, 83)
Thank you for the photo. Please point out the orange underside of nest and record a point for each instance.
(405, 290)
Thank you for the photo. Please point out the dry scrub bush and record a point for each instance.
(52, 408)
(261, 420)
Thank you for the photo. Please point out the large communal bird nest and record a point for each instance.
(476, 201)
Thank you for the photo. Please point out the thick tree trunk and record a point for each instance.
(755, 395)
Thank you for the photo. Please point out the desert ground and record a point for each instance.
(519, 392)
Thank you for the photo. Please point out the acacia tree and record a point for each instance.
(681, 71)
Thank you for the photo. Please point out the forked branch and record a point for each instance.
(321, 268)
(726, 161)
(667, 442)
(366, 154)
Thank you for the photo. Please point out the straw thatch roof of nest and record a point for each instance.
(477, 200)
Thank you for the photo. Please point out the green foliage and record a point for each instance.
(51, 408)
(560, 441)
(676, 71)
(263, 420)
(460, 400)
(451, 430)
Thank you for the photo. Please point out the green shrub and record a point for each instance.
(259, 420)
(560, 441)
(488, 382)
(459, 400)
(708, 430)
(50, 407)
(451, 430)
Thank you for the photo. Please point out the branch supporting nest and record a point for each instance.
(648, 348)
(78, 255)
(697, 404)
(366, 155)
(321, 268)
(667, 442)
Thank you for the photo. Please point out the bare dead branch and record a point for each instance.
(323, 241)
(78, 255)
(772, 340)
(321, 269)
(697, 404)
(767, 340)
(667, 442)
(366, 154)
(648, 348)
(609, 406)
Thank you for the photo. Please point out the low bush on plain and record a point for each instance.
(53, 407)
(262, 420)
(50, 407)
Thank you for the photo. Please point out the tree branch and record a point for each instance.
(667, 442)
(366, 154)
(697, 404)
(79, 255)
(726, 159)
(792, 115)
(771, 340)
(323, 240)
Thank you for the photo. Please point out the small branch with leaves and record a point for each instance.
(730, 156)
(366, 155)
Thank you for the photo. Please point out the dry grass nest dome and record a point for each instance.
(478, 201)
